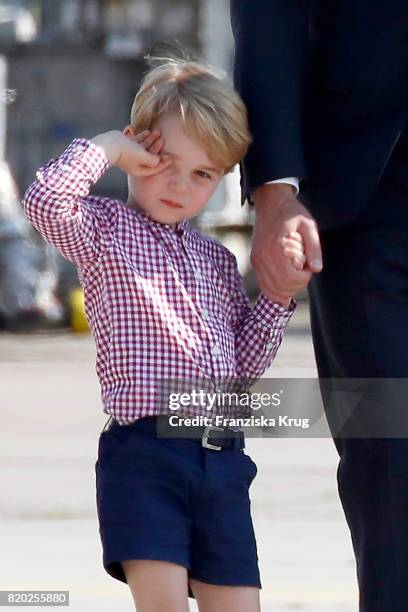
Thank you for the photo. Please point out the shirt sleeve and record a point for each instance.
(57, 205)
(288, 180)
(258, 329)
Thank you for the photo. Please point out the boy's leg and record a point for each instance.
(157, 586)
(214, 598)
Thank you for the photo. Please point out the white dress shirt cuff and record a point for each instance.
(289, 180)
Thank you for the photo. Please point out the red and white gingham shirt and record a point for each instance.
(164, 303)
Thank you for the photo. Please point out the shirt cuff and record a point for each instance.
(92, 157)
(82, 162)
(288, 180)
(273, 314)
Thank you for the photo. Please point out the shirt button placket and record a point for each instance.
(216, 350)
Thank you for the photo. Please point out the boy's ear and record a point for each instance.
(129, 131)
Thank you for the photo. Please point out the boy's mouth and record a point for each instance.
(171, 203)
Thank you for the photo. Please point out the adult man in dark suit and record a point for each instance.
(326, 86)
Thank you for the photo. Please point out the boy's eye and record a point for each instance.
(203, 174)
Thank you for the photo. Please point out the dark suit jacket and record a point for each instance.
(326, 86)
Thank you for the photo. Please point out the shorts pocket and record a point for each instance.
(252, 468)
(111, 442)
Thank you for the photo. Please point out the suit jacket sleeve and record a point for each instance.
(270, 58)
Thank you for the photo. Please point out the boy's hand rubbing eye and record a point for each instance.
(151, 141)
(139, 154)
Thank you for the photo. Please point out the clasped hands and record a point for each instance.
(286, 247)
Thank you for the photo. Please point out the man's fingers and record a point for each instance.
(270, 276)
(311, 240)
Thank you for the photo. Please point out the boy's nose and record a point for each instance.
(178, 185)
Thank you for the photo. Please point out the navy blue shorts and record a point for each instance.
(170, 499)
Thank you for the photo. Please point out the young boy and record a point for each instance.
(164, 302)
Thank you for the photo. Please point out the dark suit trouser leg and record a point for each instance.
(359, 313)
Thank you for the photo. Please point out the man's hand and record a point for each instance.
(134, 154)
(278, 213)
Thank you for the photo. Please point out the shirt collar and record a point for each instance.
(180, 228)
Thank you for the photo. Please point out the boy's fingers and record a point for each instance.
(291, 243)
(293, 248)
(164, 163)
(140, 136)
(152, 137)
(147, 159)
(147, 138)
(161, 165)
(301, 259)
(310, 235)
(296, 236)
(295, 253)
(157, 146)
(298, 263)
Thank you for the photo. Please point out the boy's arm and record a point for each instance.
(258, 329)
(55, 203)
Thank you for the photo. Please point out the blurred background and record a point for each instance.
(71, 68)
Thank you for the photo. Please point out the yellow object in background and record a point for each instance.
(78, 320)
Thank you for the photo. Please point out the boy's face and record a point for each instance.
(183, 189)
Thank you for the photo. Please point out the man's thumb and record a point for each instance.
(313, 249)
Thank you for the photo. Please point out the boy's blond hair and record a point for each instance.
(212, 112)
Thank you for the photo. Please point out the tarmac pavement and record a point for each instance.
(51, 418)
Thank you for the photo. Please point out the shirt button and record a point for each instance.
(269, 345)
(281, 320)
(197, 275)
(216, 350)
(204, 313)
